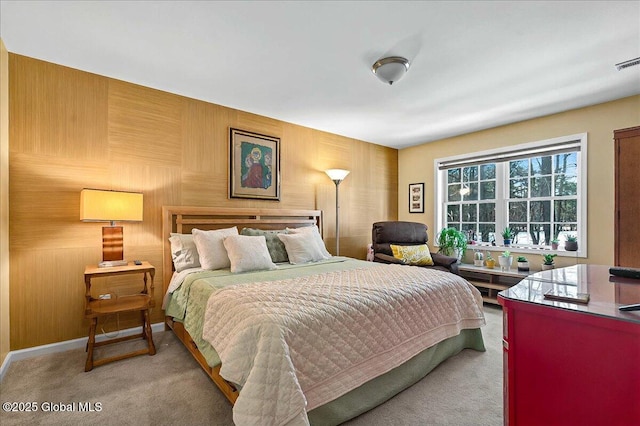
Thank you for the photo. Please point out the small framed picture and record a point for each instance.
(416, 198)
(255, 166)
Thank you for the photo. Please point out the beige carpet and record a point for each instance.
(170, 388)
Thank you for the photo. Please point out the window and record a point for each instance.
(471, 200)
(538, 190)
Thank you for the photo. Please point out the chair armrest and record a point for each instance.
(449, 262)
(441, 259)
(385, 258)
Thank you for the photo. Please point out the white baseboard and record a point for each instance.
(67, 345)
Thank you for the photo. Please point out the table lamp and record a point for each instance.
(111, 206)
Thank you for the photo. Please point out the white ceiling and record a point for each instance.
(474, 65)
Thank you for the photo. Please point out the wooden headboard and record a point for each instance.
(182, 219)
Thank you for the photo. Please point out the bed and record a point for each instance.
(307, 342)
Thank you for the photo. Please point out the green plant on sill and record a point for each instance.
(555, 241)
(451, 239)
(506, 253)
(489, 257)
(507, 233)
(572, 239)
(522, 259)
(548, 258)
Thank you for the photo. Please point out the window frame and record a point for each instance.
(532, 149)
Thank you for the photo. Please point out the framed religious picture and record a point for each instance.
(254, 170)
(416, 198)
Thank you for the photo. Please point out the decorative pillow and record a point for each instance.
(211, 249)
(248, 253)
(184, 252)
(276, 248)
(316, 233)
(301, 248)
(413, 255)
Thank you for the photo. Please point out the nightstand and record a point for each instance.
(95, 308)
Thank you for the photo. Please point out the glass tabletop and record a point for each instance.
(606, 292)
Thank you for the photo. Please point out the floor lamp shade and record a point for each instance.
(111, 206)
(337, 174)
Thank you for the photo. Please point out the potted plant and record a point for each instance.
(547, 261)
(572, 243)
(523, 264)
(507, 236)
(490, 262)
(452, 242)
(478, 258)
(554, 244)
(505, 260)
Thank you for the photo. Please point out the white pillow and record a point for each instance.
(184, 252)
(211, 249)
(316, 233)
(248, 253)
(301, 247)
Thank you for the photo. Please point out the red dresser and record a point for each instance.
(568, 363)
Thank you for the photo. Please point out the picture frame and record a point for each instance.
(416, 198)
(254, 170)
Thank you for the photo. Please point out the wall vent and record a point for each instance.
(627, 64)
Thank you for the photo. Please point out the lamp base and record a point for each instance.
(112, 240)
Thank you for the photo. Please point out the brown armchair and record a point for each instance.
(405, 234)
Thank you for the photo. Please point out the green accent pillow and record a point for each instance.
(413, 255)
(276, 248)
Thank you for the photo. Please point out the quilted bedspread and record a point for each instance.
(295, 344)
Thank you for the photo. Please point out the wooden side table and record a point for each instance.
(491, 281)
(95, 308)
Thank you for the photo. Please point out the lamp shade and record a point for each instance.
(337, 174)
(110, 206)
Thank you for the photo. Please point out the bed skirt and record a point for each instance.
(385, 387)
(362, 398)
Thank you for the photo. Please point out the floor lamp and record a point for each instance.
(337, 176)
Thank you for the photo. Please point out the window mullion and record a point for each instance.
(502, 206)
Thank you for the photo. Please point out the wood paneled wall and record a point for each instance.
(4, 203)
(71, 129)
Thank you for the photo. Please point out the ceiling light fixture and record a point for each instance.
(391, 69)
(627, 64)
